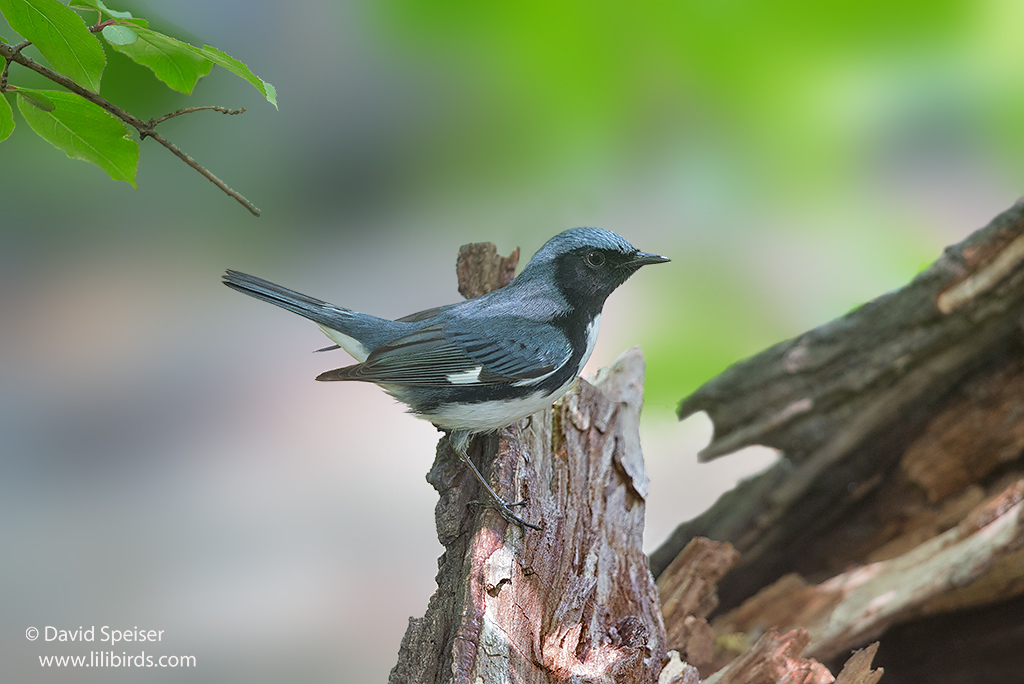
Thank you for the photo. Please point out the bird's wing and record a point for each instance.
(438, 357)
(428, 313)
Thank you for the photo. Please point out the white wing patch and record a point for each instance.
(466, 377)
(533, 381)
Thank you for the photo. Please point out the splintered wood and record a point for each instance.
(859, 605)
(687, 595)
(574, 601)
(687, 590)
(774, 659)
(898, 506)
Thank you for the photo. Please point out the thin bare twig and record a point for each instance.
(145, 128)
(201, 169)
(189, 110)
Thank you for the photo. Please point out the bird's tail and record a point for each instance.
(318, 311)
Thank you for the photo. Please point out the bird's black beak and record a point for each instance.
(643, 258)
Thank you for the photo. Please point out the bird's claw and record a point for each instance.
(506, 512)
(459, 439)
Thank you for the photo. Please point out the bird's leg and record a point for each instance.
(459, 439)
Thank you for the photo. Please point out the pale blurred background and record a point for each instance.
(168, 461)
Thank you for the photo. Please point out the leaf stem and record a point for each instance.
(100, 25)
(145, 128)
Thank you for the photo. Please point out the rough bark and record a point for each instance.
(572, 602)
(481, 269)
(898, 496)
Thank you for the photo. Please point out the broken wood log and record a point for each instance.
(847, 402)
(896, 509)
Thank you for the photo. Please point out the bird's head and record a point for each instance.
(587, 264)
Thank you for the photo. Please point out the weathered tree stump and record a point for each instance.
(574, 601)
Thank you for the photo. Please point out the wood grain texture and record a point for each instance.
(853, 607)
(687, 590)
(882, 416)
(774, 659)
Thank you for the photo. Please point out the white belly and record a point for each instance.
(492, 415)
(487, 416)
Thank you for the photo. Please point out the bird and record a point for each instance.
(486, 363)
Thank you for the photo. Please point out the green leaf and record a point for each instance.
(4, 40)
(98, 5)
(62, 37)
(177, 64)
(119, 35)
(84, 131)
(85, 4)
(38, 100)
(6, 118)
(239, 69)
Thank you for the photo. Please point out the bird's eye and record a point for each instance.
(595, 258)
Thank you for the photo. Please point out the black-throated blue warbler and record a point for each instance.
(485, 363)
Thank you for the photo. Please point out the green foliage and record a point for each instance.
(38, 100)
(100, 7)
(61, 36)
(181, 65)
(6, 118)
(238, 69)
(177, 64)
(119, 35)
(84, 131)
(75, 125)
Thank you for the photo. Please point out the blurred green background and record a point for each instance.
(168, 461)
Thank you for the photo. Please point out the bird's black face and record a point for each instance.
(587, 275)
